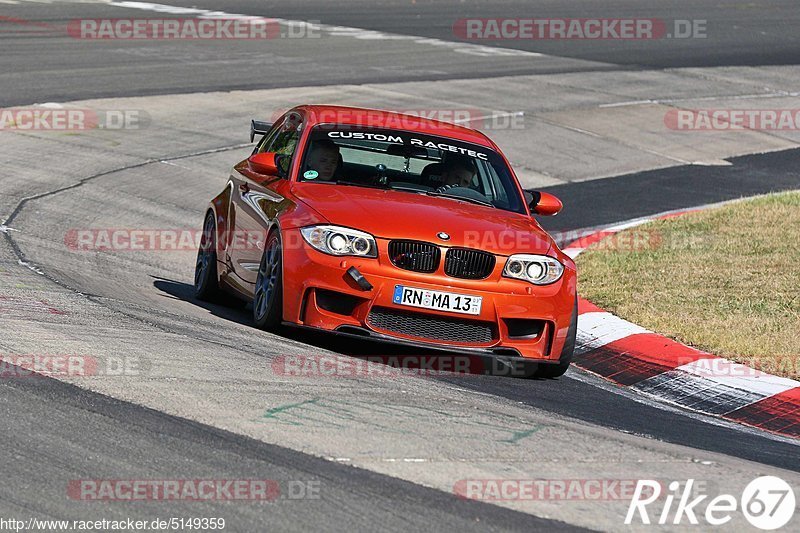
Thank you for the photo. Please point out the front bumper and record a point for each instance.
(517, 319)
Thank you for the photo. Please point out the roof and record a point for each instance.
(381, 119)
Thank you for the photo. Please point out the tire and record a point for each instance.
(268, 294)
(206, 283)
(550, 371)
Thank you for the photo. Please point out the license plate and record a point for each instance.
(438, 300)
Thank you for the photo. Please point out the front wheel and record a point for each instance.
(206, 285)
(268, 295)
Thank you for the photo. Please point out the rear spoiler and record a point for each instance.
(258, 127)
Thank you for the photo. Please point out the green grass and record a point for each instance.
(725, 280)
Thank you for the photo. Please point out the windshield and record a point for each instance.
(410, 162)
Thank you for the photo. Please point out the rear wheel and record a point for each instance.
(206, 284)
(554, 371)
(268, 295)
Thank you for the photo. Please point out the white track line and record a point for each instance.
(596, 329)
(336, 31)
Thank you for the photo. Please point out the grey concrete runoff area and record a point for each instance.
(200, 394)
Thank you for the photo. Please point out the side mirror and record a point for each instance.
(268, 164)
(543, 203)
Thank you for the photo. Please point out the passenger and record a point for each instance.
(324, 159)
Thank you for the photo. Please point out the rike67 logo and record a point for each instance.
(768, 503)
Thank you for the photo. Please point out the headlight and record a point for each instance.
(538, 269)
(335, 240)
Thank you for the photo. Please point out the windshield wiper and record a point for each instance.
(408, 189)
(464, 198)
(388, 186)
(359, 184)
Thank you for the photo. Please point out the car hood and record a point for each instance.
(392, 214)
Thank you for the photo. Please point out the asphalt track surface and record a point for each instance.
(737, 33)
(91, 431)
(57, 431)
(43, 64)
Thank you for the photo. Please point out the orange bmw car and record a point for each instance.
(393, 227)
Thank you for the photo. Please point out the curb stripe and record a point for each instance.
(622, 368)
(585, 306)
(736, 375)
(637, 357)
(631, 355)
(779, 413)
(596, 329)
(697, 393)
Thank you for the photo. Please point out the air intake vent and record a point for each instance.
(430, 327)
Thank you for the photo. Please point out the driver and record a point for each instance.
(458, 172)
(324, 158)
